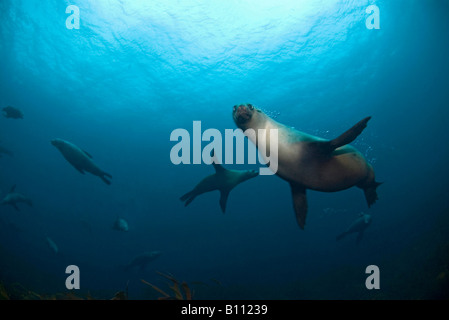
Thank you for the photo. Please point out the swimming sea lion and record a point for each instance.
(80, 159)
(358, 226)
(13, 198)
(13, 113)
(309, 162)
(5, 151)
(142, 260)
(121, 225)
(223, 180)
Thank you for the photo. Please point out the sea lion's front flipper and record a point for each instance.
(223, 199)
(87, 154)
(218, 167)
(299, 203)
(350, 135)
(327, 147)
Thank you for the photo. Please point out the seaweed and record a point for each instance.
(180, 290)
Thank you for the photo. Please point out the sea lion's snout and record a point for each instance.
(57, 142)
(242, 113)
(254, 173)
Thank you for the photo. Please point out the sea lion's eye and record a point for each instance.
(250, 106)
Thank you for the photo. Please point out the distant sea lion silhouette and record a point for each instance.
(141, 261)
(13, 113)
(5, 151)
(120, 225)
(13, 198)
(358, 226)
(309, 162)
(80, 159)
(223, 180)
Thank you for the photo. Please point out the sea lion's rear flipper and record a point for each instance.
(223, 200)
(188, 197)
(105, 180)
(299, 203)
(327, 147)
(359, 237)
(103, 177)
(371, 193)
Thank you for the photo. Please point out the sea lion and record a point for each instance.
(13, 113)
(223, 180)
(121, 225)
(13, 198)
(142, 260)
(80, 159)
(358, 226)
(309, 162)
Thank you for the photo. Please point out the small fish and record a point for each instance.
(13, 113)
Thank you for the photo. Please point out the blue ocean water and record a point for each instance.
(135, 71)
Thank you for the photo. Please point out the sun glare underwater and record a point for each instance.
(91, 93)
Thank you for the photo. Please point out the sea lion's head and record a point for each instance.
(251, 174)
(58, 143)
(243, 113)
